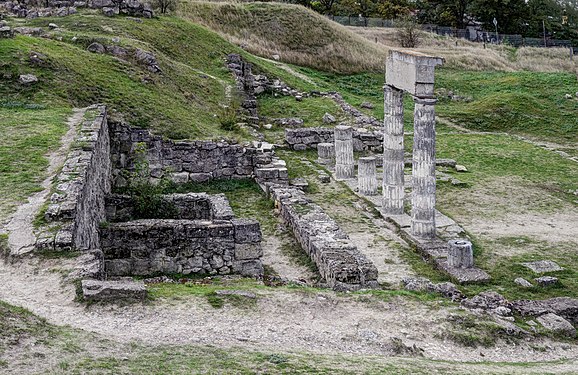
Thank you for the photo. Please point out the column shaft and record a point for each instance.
(393, 181)
(344, 161)
(423, 174)
(367, 176)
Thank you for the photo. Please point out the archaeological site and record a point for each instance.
(193, 187)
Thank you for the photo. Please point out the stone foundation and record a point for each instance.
(339, 261)
(168, 246)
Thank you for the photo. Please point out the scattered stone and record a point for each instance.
(37, 58)
(27, 79)
(300, 183)
(299, 98)
(450, 163)
(268, 126)
(291, 122)
(240, 293)
(275, 57)
(148, 59)
(546, 281)
(486, 301)
(324, 178)
(460, 168)
(6, 32)
(543, 266)
(52, 26)
(556, 324)
(523, 282)
(107, 291)
(328, 118)
(367, 105)
(564, 306)
(422, 284)
(96, 48)
(568, 96)
(502, 311)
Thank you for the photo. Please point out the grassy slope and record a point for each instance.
(298, 35)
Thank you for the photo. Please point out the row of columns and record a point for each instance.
(423, 166)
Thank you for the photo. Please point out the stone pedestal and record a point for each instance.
(393, 182)
(423, 174)
(326, 154)
(367, 176)
(344, 161)
(460, 254)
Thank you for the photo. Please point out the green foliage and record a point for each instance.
(147, 197)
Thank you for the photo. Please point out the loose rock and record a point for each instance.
(96, 48)
(27, 79)
(523, 282)
(557, 324)
(546, 280)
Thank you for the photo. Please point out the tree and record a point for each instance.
(408, 32)
(444, 12)
(511, 15)
(392, 9)
(323, 6)
(165, 5)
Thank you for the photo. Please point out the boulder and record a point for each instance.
(460, 168)
(367, 105)
(96, 48)
(564, 306)
(486, 301)
(6, 32)
(543, 266)
(556, 324)
(546, 280)
(523, 282)
(328, 118)
(27, 79)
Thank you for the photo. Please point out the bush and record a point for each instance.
(408, 32)
(165, 5)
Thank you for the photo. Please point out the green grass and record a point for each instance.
(310, 110)
(28, 134)
(523, 103)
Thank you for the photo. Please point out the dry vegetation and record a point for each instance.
(466, 55)
(268, 29)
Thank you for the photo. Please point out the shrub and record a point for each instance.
(408, 32)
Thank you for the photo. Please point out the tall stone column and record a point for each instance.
(393, 184)
(367, 176)
(344, 162)
(424, 178)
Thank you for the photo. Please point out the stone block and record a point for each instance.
(543, 266)
(111, 291)
(546, 281)
(412, 72)
(247, 231)
(247, 251)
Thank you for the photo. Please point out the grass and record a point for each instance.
(268, 29)
(28, 135)
(310, 110)
(469, 56)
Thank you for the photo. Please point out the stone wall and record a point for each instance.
(196, 161)
(305, 138)
(148, 247)
(77, 207)
(190, 206)
(339, 261)
(60, 8)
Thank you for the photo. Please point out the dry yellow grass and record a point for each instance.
(463, 54)
(294, 33)
(302, 37)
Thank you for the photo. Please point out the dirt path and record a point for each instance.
(20, 229)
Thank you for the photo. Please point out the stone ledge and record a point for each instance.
(109, 291)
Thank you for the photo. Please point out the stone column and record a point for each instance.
(393, 184)
(344, 162)
(460, 254)
(326, 154)
(367, 176)
(423, 174)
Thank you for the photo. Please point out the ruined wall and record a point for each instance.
(196, 161)
(305, 138)
(190, 206)
(78, 203)
(147, 247)
(60, 8)
(339, 261)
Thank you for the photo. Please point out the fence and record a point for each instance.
(473, 34)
